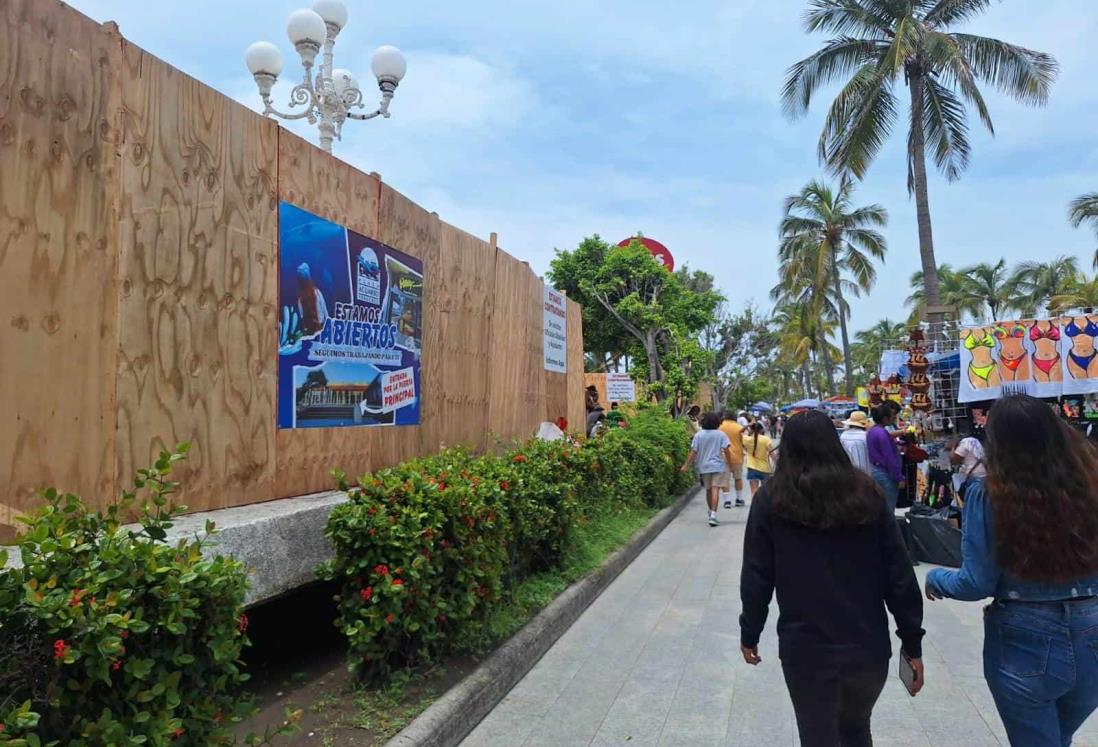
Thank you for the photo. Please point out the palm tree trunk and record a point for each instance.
(806, 374)
(849, 377)
(917, 154)
(829, 368)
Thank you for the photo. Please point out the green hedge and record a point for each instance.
(425, 549)
(112, 636)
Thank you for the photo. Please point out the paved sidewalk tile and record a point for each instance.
(655, 662)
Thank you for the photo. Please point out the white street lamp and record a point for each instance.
(330, 95)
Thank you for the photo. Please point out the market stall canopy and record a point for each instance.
(761, 407)
(804, 404)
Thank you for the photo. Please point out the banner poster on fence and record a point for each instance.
(350, 328)
(555, 331)
(620, 388)
(1040, 357)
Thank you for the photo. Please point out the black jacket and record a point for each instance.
(833, 586)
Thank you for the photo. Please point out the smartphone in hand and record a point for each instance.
(907, 675)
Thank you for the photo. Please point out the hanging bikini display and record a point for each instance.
(1040, 357)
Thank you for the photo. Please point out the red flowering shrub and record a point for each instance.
(421, 549)
(425, 549)
(110, 635)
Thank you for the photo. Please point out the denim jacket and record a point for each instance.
(980, 576)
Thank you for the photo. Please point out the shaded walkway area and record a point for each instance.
(655, 661)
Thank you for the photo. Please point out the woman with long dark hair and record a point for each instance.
(1031, 543)
(757, 450)
(820, 534)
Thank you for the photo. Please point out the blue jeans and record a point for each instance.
(889, 487)
(1041, 665)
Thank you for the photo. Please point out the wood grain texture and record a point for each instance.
(577, 413)
(198, 258)
(517, 376)
(465, 285)
(58, 181)
(139, 251)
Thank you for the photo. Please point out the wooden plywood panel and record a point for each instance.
(327, 186)
(307, 456)
(466, 288)
(575, 377)
(58, 186)
(197, 284)
(517, 384)
(332, 189)
(406, 226)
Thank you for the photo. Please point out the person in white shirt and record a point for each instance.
(853, 441)
(742, 420)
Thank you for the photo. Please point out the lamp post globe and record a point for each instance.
(344, 81)
(306, 26)
(334, 12)
(388, 64)
(263, 57)
(328, 96)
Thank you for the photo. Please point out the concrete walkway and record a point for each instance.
(655, 661)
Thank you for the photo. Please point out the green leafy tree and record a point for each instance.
(953, 293)
(1085, 210)
(1082, 293)
(827, 252)
(645, 310)
(744, 349)
(870, 343)
(1040, 282)
(991, 286)
(604, 339)
(879, 44)
(803, 343)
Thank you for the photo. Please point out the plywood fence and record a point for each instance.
(139, 261)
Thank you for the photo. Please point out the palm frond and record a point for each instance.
(859, 122)
(946, 128)
(848, 17)
(948, 12)
(1084, 210)
(839, 58)
(1021, 73)
(946, 57)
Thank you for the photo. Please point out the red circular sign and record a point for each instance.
(658, 250)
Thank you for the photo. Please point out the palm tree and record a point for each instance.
(991, 285)
(870, 343)
(881, 43)
(952, 290)
(1085, 210)
(1080, 294)
(825, 239)
(1040, 282)
(803, 340)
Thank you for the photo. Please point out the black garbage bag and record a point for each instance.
(933, 537)
(905, 533)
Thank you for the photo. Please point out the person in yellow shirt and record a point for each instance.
(731, 428)
(756, 451)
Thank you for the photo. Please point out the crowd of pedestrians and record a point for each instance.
(822, 536)
(722, 444)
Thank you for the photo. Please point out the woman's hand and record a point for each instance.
(920, 675)
(751, 655)
(932, 593)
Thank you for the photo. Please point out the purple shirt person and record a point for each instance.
(888, 468)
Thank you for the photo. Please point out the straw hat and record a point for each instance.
(858, 419)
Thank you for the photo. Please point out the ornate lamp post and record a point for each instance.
(330, 95)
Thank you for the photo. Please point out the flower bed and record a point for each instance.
(111, 636)
(426, 549)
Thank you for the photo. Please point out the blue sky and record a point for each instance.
(547, 122)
